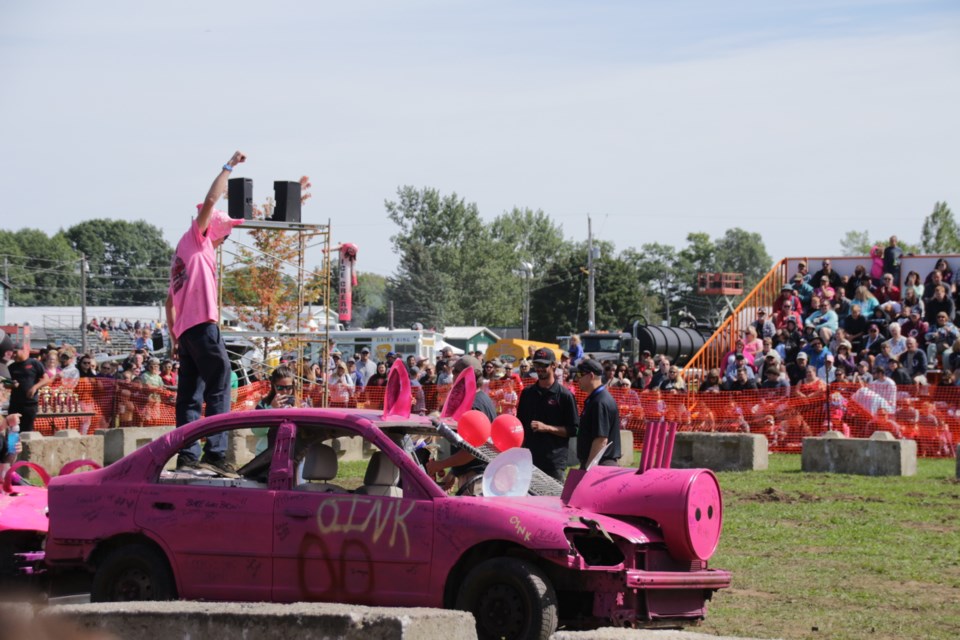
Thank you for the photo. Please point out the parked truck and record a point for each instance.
(678, 343)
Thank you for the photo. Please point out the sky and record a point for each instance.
(797, 120)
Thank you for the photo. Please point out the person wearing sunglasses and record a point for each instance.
(281, 389)
(548, 412)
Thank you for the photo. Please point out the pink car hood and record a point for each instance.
(539, 520)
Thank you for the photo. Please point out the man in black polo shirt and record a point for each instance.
(600, 419)
(27, 379)
(548, 412)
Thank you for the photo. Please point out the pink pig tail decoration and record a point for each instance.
(348, 280)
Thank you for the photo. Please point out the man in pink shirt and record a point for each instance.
(193, 316)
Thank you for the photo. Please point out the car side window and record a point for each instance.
(245, 462)
(339, 460)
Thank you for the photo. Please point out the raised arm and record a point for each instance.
(217, 189)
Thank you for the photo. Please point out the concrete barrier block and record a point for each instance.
(721, 451)
(879, 455)
(124, 440)
(351, 449)
(232, 620)
(53, 452)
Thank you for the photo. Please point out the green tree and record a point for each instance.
(558, 299)
(740, 251)
(419, 291)
(529, 236)
(129, 262)
(664, 272)
(369, 300)
(940, 233)
(451, 271)
(619, 297)
(41, 270)
(856, 243)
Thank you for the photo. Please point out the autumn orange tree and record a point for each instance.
(259, 285)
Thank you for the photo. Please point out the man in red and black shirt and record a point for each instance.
(26, 379)
(548, 412)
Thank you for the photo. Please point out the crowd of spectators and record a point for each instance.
(824, 328)
(835, 328)
(148, 334)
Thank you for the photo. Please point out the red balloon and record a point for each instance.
(507, 432)
(474, 427)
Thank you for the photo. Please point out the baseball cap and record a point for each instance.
(220, 224)
(392, 354)
(589, 365)
(801, 356)
(364, 350)
(544, 356)
(467, 362)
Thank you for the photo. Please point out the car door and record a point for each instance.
(218, 533)
(353, 548)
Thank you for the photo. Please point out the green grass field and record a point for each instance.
(836, 556)
(833, 556)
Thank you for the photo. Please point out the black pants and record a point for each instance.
(28, 413)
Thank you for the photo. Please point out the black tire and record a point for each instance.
(133, 572)
(509, 599)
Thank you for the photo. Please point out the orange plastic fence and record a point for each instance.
(927, 414)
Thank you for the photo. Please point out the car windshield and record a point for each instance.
(594, 344)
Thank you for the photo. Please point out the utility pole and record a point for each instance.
(591, 307)
(83, 303)
(526, 272)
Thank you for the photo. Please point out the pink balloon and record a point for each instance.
(507, 432)
(474, 427)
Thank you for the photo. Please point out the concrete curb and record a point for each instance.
(234, 621)
(263, 621)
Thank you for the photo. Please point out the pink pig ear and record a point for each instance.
(397, 400)
(460, 398)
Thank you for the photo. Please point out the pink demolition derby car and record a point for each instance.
(621, 546)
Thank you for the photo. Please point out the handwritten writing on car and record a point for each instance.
(522, 531)
(357, 514)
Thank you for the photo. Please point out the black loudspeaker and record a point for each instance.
(240, 198)
(287, 195)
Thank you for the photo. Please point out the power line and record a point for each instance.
(35, 259)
